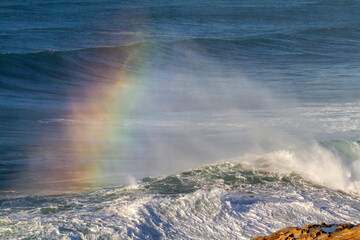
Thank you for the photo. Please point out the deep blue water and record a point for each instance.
(269, 83)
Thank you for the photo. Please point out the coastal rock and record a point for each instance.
(345, 231)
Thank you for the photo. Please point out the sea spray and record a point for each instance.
(315, 163)
(122, 117)
(169, 117)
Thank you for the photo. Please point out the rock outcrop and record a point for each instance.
(345, 231)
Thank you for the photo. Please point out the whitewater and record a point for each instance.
(177, 120)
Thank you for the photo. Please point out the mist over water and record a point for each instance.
(167, 109)
(162, 119)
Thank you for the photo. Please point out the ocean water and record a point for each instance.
(177, 119)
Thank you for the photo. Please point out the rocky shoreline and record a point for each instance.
(345, 231)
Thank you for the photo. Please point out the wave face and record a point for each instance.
(181, 120)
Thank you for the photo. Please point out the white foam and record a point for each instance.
(258, 209)
(314, 163)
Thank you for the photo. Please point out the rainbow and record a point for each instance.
(98, 129)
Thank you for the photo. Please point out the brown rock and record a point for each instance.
(345, 231)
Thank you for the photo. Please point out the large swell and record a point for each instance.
(189, 92)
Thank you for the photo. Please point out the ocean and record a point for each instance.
(177, 119)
